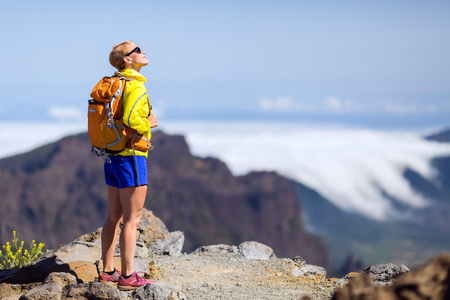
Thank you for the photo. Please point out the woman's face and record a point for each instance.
(136, 56)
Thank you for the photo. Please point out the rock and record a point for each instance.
(384, 274)
(61, 278)
(309, 271)
(90, 237)
(141, 264)
(140, 252)
(157, 291)
(92, 291)
(346, 278)
(141, 249)
(46, 291)
(216, 249)
(80, 251)
(299, 260)
(150, 228)
(430, 281)
(6, 290)
(37, 272)
(84, 271)
(177, 296)
(361, 287)
(255, 250)
(77, 258)
(170, 244)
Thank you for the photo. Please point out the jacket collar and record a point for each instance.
(133, 74)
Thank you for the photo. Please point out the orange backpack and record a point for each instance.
(107, 132)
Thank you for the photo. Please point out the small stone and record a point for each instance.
(216, 249)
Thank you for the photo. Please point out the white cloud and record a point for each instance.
(333, 103)
(336, 104)
(66, 113)
(9, 131)
(278, 104)
(288, 104)
(413, 107)
(350, 167)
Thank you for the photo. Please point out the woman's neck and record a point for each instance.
(135, 67)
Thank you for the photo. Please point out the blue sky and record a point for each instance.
(376, 64)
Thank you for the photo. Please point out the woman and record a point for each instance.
(126, 175)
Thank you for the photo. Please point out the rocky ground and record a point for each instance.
(218, 274)
(232, 276)
(248, 271)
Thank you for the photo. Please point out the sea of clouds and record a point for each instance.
(22, 136)
(349, 166)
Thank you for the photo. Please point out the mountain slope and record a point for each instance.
(443, 136)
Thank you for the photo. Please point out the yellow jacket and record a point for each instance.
(136, 107)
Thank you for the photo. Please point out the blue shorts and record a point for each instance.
(126, 171)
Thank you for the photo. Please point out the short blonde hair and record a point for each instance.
(118, 53)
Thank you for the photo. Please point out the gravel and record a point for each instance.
(231, 276)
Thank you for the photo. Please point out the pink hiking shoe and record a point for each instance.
(132, 283)
(110, 279)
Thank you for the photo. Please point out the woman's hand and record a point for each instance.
(153, 121)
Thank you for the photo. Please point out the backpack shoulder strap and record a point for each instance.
(121, 76)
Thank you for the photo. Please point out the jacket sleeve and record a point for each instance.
(136, 109)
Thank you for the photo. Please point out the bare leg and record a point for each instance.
(109, 231)
(132, 200)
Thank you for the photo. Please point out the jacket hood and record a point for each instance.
(133, 74)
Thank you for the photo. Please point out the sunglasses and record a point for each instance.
(137, 50)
